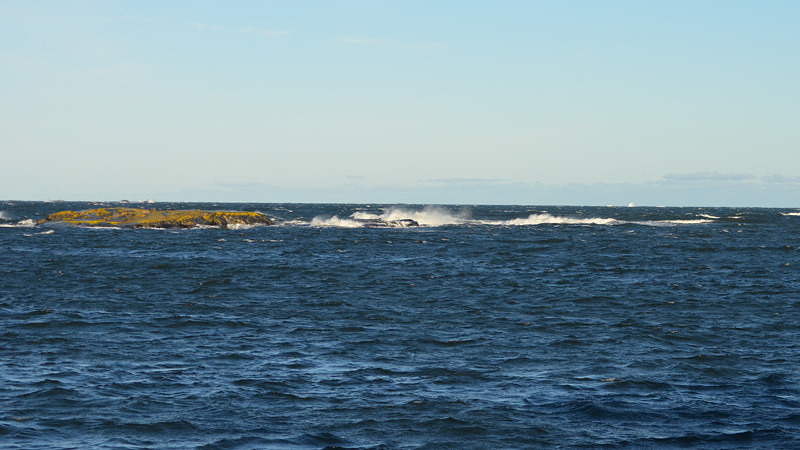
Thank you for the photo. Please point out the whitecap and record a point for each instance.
(549, 219)
(429, 216)
(361, 215)
(335, 221)
(663, 223)
(27, 223)
(244, 226)
(290, 223)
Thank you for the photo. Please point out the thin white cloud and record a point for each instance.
(467, 180)
(244, 30)
(206, 26)
(708, 176)
(365, 41)
(390, 44)
(778, 178)
(119, 70)
(262, 31)
(430, 46)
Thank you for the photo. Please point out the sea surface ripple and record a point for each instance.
(485, 327)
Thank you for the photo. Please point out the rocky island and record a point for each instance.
(151, 218)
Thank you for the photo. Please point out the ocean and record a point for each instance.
(484, 327)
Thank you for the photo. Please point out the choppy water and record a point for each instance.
(487, 327)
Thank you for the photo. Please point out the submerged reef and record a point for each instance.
(151, 218)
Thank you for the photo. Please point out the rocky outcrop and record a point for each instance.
(151, 218)
(380, 223)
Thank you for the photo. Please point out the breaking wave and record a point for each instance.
(394, 217)
(7, 222)
(244, 226)
(676, 222)
(549, 219)
(439, 216)
(430, 216)
(335, 221)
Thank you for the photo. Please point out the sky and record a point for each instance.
(675, 103)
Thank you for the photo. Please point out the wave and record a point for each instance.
(429, 216)
(791, 214)
(335, 221)
(549, 219)
(659, 223)
(394, 217)
(27, 223)
(244, 226)
(437, 216)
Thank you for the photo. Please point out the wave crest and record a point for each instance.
(435, 216)
(549, 219)
(429, 216)
(27, 223)
(335, 221)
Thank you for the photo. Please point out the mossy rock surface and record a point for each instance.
(151, 218)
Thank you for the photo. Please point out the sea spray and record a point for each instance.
(334, 221)
(438, 216)
(430, 216)
(539, 219)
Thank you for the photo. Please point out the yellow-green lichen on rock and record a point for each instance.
(151, 218)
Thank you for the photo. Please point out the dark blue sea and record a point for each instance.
(484, 327)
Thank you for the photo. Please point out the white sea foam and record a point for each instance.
(664, 223)
(335, 221)
(791, 214)
(549, 219)
(8, 220)
(244, 226)
(430, 216)
(689, 221)
(291, 223)
(437, 216)
(27, 223)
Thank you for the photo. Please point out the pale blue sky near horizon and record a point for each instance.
(684, 103)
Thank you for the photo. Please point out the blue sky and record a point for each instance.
(515, 102)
